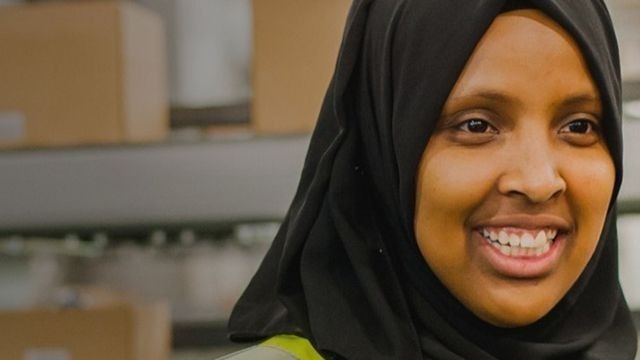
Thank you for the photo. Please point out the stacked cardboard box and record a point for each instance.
(296, 44)
(81, 73)
(112, 329)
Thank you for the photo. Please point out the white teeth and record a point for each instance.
(517, 251)
(526, 240)
(523, 245)
(546, 247)
(514, 240)
(503, 238)
(540, 239)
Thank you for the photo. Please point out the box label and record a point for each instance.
(47, 354)
(12, 125)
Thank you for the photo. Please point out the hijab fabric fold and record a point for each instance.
(344, 270)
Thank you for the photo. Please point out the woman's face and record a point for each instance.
(514, 185)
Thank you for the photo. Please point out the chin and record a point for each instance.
(516, 318)
(516, 310)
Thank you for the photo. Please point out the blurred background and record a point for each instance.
(148, 152)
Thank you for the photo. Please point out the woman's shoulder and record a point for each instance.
(280, 347)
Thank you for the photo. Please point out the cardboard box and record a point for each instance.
(296, 45)
(116, 331)
(81, 73)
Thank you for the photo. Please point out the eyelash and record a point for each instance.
(477, 130)
(592, 126)
(482, 122)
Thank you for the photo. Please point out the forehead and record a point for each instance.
(524, 50)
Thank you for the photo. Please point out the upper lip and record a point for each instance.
(526, 221)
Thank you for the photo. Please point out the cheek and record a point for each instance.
(451, 185)
(453, 182)
(590, 181)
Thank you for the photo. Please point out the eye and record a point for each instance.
(579, 126)
(583, 130)
(470, 127)
(476, 126)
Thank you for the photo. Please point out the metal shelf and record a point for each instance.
(170, 183)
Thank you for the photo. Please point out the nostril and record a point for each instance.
(536, 186)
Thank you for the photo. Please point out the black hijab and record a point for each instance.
(345, 272)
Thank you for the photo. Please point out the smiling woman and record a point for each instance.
(458, 197)
(523, 227)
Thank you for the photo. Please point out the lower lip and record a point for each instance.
(521, 267)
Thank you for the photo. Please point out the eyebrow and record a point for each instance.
(580, 98)
(491, 95)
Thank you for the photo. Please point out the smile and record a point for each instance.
(518, 242)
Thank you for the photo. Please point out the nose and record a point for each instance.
(531, 172)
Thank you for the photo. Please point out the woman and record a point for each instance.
(458, 197)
